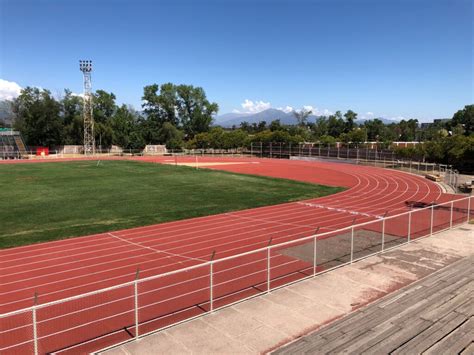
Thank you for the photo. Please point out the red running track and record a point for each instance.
(61, 269)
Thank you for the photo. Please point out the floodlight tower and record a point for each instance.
(89, 142)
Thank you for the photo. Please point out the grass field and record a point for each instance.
(51, 201)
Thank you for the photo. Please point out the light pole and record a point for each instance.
(85, 67)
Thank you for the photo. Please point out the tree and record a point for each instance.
(234, 139)
(245, 126)
(407, 130)
(6, 113)
(170, 136)
(465, 117)
(350, 116)
(357, 136)
(320, 128)
(275, 125)
(375, 130)
(195, 111)
(184, 106)
(160, 103)
(327, 140)
(37, 116)
(104, 106)
(71, 107)
(302, 116)
(336, 124)
(123, 123)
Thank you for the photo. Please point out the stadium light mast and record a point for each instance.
(89, 142)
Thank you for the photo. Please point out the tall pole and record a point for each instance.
(89, 142)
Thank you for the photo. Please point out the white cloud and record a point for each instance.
(9, 90)
(316, 111)
(250, 106)
(286, 109)
(398, 118)
(254, 107)
(367, 116)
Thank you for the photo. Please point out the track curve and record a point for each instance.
(65, 268)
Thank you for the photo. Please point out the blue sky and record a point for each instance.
(397, 58)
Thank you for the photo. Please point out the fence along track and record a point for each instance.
(216, 283)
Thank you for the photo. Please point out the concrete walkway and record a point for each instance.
(270, 321)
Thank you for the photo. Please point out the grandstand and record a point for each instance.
(11, 144)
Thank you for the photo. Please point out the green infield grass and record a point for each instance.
(49, 201)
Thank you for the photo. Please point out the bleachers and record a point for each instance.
(12, 145)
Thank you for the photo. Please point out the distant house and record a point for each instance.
(436, 122)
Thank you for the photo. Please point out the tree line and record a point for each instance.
(181, 116)
(171, 114)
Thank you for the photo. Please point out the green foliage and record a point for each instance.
(184, 106)
(454, 150)
(406, 130)
(181, 115)
(326, 139)
(170, 136)
(38, 117)
(254, 127)
(336, 125)
(131, 194)
(356, 136)
(104, 106)
(465, 119)
(71, 112)
(302, 116)
(350, 116)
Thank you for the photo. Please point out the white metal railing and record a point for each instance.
(385, 158)
(143, 305)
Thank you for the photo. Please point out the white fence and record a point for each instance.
(133, 309)
(383, 158)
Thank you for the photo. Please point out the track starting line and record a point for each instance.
(356, 213)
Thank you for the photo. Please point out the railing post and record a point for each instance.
(409, 226)
(136, 302)
(315, 252)
(431, 222)
(35, 329)
(383, 233)
(352, 243)
(211, 282)
(268, 269)
(468, 208)
(451, 216)
(268, 265)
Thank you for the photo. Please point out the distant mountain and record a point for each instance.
(384, 120)
(231, 116)
(6, 114)
(269, 115)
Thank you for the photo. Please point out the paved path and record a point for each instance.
(433, 317)
(268, 322)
